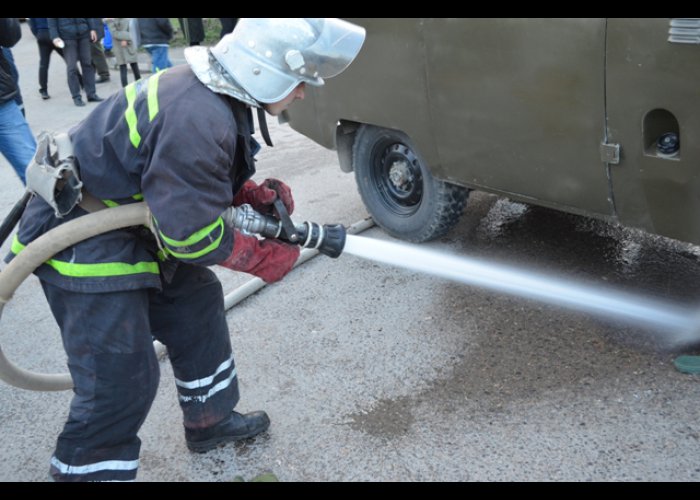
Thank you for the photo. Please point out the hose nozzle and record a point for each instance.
(328, 239)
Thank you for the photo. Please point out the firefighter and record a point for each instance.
(181, 141)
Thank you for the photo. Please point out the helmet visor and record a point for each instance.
(337, 44)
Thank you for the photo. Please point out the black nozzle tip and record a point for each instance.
(333, 240)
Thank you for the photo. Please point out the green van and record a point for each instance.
(590, 116)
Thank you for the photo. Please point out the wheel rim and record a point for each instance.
(397, 174)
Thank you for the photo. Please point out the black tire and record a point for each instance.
(398, 189)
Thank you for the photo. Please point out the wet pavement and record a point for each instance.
(374, 373)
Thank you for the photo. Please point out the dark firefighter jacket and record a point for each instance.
(167, 140)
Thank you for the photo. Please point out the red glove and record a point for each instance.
(269, 259)
(261, 197)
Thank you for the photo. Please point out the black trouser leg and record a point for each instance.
(99, 61)
(45, 49)
(122, 75)
(115, 371)
(70, 54)
(188, 316)
(135, 69)
(86, 67)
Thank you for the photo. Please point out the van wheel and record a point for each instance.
(399, 191)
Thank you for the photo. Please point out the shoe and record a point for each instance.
(688, 364)
(102, 79)
(44, 94)
(235, 428)
(95, 98)
(78, 101)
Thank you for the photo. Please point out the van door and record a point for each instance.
(518, 107)
(653, 82)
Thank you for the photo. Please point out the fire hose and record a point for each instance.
(313, 237)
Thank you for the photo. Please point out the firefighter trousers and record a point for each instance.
(108, 338)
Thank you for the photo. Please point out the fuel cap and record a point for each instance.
(668, 144)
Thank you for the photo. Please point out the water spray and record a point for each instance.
(681, 324)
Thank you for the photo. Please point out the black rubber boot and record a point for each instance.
(235, 428)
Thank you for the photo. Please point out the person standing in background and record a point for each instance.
(123, 47)
(74, 34)
(193, 29)
(227, 25)
(40, 28)
(99, 60)
(17, 142)
(155, 34)
(15, 76)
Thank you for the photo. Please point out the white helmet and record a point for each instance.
(269, 57)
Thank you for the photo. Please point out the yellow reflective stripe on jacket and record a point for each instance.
(130, 115)
(131, 92)
(93, 270)
(194, 239)
(153, 96)
(112, 203)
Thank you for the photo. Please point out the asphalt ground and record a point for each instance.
(374, 373)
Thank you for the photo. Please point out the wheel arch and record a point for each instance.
(346, 132)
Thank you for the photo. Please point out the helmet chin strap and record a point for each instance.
(262, 123)
(212, 74)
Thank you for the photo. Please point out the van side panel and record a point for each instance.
(384, 86)
(653, 88)
(518, 107)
